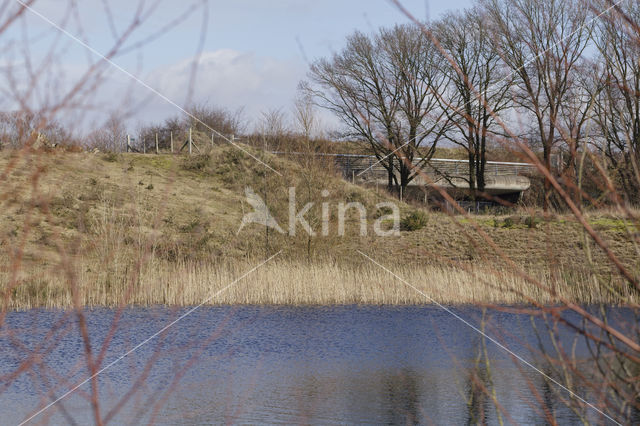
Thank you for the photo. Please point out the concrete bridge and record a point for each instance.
(501, 178)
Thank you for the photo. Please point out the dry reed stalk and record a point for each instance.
(294, 283)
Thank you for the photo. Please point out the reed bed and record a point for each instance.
(290, 283)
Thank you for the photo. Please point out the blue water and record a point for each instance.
(248, 365)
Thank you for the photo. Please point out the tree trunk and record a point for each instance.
(404, 176)
(547, 183)
(482, 159)
(472, 175)
(390, 174)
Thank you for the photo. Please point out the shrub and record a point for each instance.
(196, 162)
(382, 211)
(111, 157)
(414, 221)
(508, 223)
(532, 221)
(354, 196)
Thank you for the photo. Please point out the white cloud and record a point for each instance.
(225, 78)
(232, 79)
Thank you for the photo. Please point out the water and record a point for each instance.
(248, 365)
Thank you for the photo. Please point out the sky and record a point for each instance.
(251, 54)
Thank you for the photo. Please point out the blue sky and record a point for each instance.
(254, 52)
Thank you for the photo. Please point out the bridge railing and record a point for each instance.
(368, 167)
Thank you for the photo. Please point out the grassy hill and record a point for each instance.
(105, 229)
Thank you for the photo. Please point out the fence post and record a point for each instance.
(189, 140)
(157, 150)
(172, 142)
(144, 145)
(211, 139)
(128, 142)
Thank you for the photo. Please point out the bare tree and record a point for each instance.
(353, 86)
(204, 117)
(304, 114)
(110, 137)
(383, 88)
(201, 118)
(17, 128)
(617, 101)
(274, 128)
(274, 122)
(541, 42)
(575, 126)
(415, 66)
(478, 88)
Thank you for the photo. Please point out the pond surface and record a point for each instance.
(250, 365)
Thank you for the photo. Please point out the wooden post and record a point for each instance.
(400, 192)
(211, 139)
(157, 150)
(128, 142)
(190, 141)
(144, 145)
(353, 176)
(172, 142)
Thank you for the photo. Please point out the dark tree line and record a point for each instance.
(508, 73)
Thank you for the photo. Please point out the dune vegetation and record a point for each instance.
(111, 229)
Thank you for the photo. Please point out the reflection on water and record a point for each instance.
(382, 365)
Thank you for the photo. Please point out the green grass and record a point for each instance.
(616, 225)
